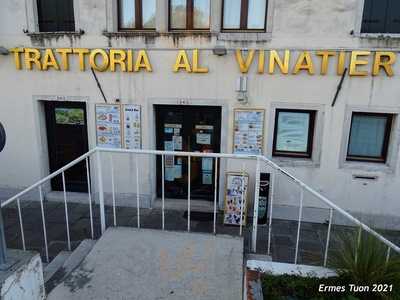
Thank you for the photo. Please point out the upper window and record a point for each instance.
(189, 14)
(294, 133)
(244, 15)
(137, 14)
(381, 16)
(369, 137)
(56, 15)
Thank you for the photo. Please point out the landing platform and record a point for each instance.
(128, 263)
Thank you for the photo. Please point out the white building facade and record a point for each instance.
(189, 66)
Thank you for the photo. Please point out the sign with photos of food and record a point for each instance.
(132, 126)
(236, 198)
(248, 135)
(108, 125)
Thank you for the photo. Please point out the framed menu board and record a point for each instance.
(248, 131)
(132, 126)
(108, 125)
(235, 196)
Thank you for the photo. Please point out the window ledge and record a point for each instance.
(367, 166)
(379, 36)
(295, 162)
(152, 33)
(131, 33)
(55, 33)
(244, 36)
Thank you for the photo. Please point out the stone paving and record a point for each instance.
(283, 243)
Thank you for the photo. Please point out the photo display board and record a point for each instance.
(235, 191)
(118, 126)
(132, 126)
(108, 125)
(248, 134)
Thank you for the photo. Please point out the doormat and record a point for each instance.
(199, 216)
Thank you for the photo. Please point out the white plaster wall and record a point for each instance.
(296, 24)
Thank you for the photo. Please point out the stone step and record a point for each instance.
(70, 264)
(51, 268)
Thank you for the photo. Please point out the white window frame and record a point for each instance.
(33, 18)
(358, 25)
(392, 154)
(315, 159)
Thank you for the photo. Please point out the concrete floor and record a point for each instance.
(145, 264)
(311, 245)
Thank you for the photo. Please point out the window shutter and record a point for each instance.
(56, 15)
(374, 16)
(393, 17)
(47, 11)
(65, 15)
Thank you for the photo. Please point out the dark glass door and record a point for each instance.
(191, 129)
(67, 140)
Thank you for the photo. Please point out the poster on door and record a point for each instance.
(108, 125)
(248, 135)
(236, 198)
(132, 126)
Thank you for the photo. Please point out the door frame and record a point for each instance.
(151, 136)
(42, 153)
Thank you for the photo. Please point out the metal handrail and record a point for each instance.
(300, 183)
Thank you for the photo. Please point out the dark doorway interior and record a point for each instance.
(67, 139)
(192, 129)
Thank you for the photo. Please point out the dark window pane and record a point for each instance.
(231, 14)
(374, 16)
(178, 14)
(292, 131)
(367, 135)
(393, 17)
(256, 15)
(127, 13)
(149, 13)
(201, 14)
(56, 15)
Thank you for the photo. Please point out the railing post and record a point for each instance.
(43, 223)
(328, 236)
(113, 190)
(271, 201)
(66, 210)
(89, 197)
(137, 191)
(3, 245)
(163, 192)
(299, 224)
(189, 175)
(21, 225)
(256, 204)
(101, 192)
(215, 196)
(242, 202)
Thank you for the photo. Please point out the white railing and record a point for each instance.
(261, 162)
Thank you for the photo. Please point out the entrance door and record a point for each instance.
(192, 129)
(67, 140)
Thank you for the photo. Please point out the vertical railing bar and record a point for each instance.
(215, 195)
(358, 244)
(44, 223)
(101, 191)
(21, 226)
(137, 191)
(299, 224)
(89, 197)
(271, 200)
(66, 211)
(189, 176)
(113, 189)
(256, 204)
(328, 236)
(242, 203)
(163, 191)
(388, 254)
